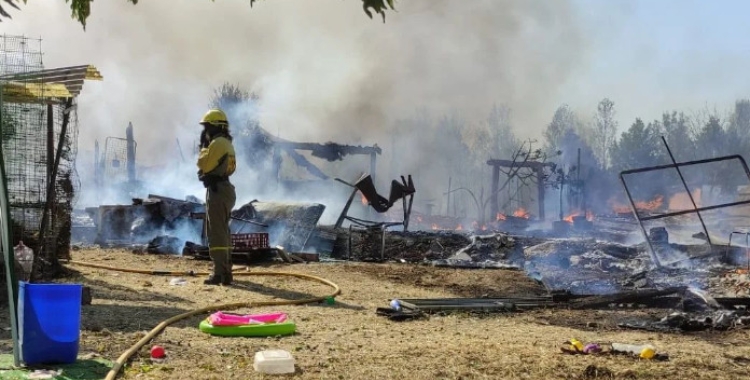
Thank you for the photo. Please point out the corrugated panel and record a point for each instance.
(14, 92)
(45, 83)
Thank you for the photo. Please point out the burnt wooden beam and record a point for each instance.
(494, 205)
(519, 164)
(536, 166)
(300, 160)
(625, 297)
(347, 149)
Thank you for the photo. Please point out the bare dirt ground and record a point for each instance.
(348, 340)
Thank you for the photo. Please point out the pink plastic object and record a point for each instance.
(592, 348)
(220, 319)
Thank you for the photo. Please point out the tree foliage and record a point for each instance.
(604, 133)
(229, 94)
(501, 138)
(676, 130)
(563, 121)
(81, 9)
(636, 147)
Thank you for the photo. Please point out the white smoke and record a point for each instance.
(324, 71)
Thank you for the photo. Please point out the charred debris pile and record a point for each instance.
(585, 260)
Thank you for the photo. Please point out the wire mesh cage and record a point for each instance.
(115, 159)
(38, 124)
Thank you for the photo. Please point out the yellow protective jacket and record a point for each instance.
(218, 159)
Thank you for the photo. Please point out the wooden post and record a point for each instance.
(448, 203)
(46, 215)
(97, 171)
(373, 157)
(130, 155)
(276, 163)
(495, 185)
(50, 159)
(540, 189)
(50, 140)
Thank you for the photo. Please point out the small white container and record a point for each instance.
(274, 362)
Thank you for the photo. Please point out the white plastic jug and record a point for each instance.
(274, 362)
(645, 351)
(25, 257)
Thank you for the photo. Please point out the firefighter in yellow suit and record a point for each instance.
(216, 162)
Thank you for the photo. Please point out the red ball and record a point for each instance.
(157, 352)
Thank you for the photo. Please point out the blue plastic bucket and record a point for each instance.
(49, 318)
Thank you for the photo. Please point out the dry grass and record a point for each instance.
(348, 341)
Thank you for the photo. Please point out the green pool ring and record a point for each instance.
(267, 329)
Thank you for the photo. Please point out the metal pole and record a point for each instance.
(97, 171)
(687, 189)
(8, 254)
(448, 203)
(562, 185)
(651, 251)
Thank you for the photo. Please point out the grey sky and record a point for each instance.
(647, 56)
(659, 55)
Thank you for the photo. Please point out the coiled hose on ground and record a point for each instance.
(120, 362)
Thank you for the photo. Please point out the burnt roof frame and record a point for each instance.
(696, 210)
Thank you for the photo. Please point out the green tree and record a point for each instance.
(712, 139)
(81, 9)
(502, 139)
(738, 128)
(563, 121)
(240, 105)
(676, 128)
(637, 147)
(604, 133)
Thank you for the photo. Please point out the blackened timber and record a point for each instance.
(50, 155)
(519, 164)
(130, 154)
(345, 149)
(301, 161)
(536, 166)
(625, 297)
(494, 205)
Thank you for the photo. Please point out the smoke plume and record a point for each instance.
(324, 71)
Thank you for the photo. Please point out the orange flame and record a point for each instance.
(364, 200)
(500, 217)
(434, 226)
(419, 219)
(569, 218)
(521, 213)
(681, 201)
(459, 228)
(651, 205)
(484, 228)
(589, 216)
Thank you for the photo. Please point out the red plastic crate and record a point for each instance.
(257, 240)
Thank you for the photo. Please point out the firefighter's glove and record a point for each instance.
(204, 139)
